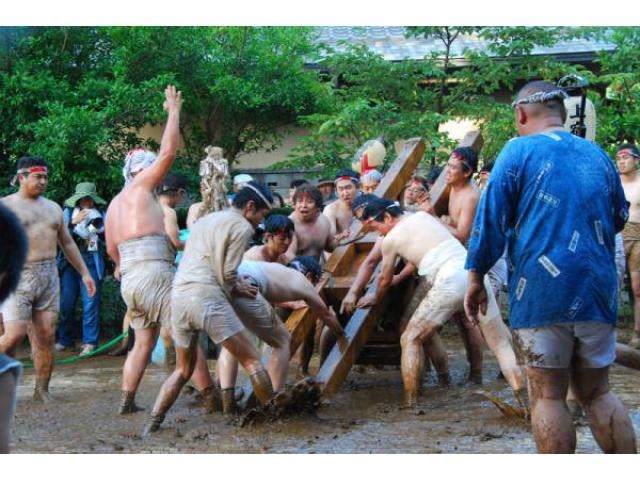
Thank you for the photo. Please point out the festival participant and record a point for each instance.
(138, 244)
(313, 235)
(204, 286)
(277, 283)
(434, 348)
(13, 253)
(556, 202)
(339, 212)
(293, 186)
(627, 158)
(415, 187)
(278, 233)
(370, 180)
(422, 240)
(35, 303)
(170, 193)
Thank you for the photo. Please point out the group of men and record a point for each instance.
(558, 243)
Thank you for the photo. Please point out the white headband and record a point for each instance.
(267, 202)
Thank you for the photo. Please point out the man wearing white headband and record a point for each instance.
(627, 158)
(556, 202)
(138, 244)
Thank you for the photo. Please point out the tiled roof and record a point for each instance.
(391, 43)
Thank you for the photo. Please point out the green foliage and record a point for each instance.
(79, 96)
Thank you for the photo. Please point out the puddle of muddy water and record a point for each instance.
(364, 417)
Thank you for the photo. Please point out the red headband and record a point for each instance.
(627, 151)
(346, 177)
(36, 169)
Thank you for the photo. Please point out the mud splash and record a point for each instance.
(364, 417)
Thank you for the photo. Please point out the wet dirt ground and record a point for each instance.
(364, 416)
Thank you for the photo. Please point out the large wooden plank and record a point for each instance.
(401, 169)
(337, 365)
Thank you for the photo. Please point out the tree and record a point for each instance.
(79, 96)
(414, 98)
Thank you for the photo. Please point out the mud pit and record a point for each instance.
(364, 417)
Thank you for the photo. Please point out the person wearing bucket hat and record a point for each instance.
(627, 158)
(35, 304)
(86, 225)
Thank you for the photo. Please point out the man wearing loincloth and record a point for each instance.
(424, 241)
(627, 158)
(36, 301)
(138, 244)
(203, 289)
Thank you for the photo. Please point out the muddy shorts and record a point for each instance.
(38, 289)
(631, 236)
(443, 267)
(146, 265)
(258, 316)
(197, 307)
(565, 345)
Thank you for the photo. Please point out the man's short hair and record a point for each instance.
(543, 95)
(307, 264)
(257, 192)
(13, 250)
(468, 157)
(279, 224)
(308, 190)
(631, 148)
(377, 207)
(27, 162)
(419, 179)
(172, 182)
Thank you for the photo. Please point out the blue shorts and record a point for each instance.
(567, 345)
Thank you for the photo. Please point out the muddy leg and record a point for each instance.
(412, 358)
(185, 363)
(306, 351)
(608, 418)
(241, 347)
(280, 342)
(122, 349)
(262, 386)
(134, 367)
(437, 352)
(498, 338)
(551, 422)
(473, 344)
(43, 339)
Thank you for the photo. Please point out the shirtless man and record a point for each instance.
(313, 228)
(203, 289)
(424, 241)
(463, 202)
(277, 284)
(313, 235)
(36, 301)
(434, 347)
(627, 158)
(278, 233)
(170, 194)
(141, 250)
(339, 212)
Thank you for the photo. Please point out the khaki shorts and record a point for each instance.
(258, 316)
(147, 293)
(631, 236)
(38, 289)
(197, 307)
(565, 345)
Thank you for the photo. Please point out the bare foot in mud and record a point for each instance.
(42, 396)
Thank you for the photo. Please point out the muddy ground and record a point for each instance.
(364, 417)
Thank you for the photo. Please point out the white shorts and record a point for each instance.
(566, 345)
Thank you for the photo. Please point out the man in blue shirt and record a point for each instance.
(557, 202)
